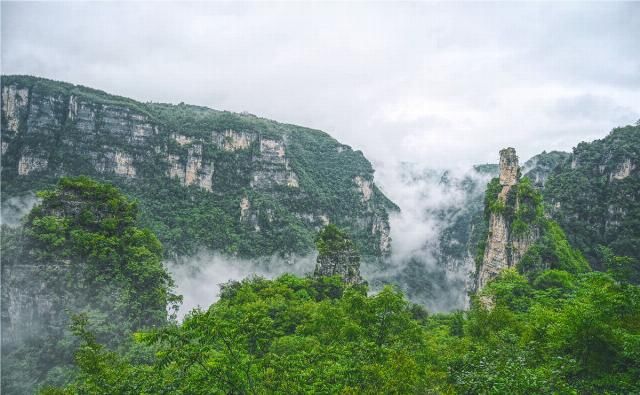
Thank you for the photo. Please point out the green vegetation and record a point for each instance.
(541, 166)
(79, 251)
(87, 304)
(331, 239)
(563, 333)
(552, 251)
(557, 330)
(594, 196)
(282, 220)
(523, 211)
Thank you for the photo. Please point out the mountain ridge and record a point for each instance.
(268, 186)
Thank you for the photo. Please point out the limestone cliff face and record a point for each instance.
(262, 177)
(30, 305)
(504, 245)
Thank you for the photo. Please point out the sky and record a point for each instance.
(439, 84)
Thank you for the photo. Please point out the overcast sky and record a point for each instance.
(440, 84)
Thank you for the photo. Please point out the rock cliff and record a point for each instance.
(79, 251)
(337, 256)
(203, 178)
(345, 264)
(507, 241)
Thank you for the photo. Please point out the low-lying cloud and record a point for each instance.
(198, 277)
(431, 201)
(15, 208)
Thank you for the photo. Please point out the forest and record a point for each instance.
(554, 330)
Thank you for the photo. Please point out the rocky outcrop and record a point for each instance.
(594, 195)
(29, 163)
(495, 257)
(273, 169)
(231, 140)
(345, 264)
(382, 230)
(541, 166)
(504, 246)
(364, 187)
(509, 169)
(117, 162)
(623, 171)
(14, 102)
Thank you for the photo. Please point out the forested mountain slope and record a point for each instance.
(230, 182)
(595, 195)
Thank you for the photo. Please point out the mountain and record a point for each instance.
(555, 332)
(203, 178)
(595, 195)
(462, 225)
(592, 194)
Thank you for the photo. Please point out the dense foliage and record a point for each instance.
(332, 239)
(79, 251)
(595, 196)
(87, 284)
(560, 333)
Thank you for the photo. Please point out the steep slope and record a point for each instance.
(595, 195)
(203, 178)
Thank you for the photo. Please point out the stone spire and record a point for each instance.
(508, 167)
(497, 253)
(345, 263)
(337, 255)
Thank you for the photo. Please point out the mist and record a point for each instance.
(198, 278)
(432, 201)
(15, 208)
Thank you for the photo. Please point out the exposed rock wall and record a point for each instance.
(14, 101)
(509, 169)
(623, 171)
(272, 166)
(346, 264)
(495, 254)
(293, 178)
(504, 247)
(29, 163)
